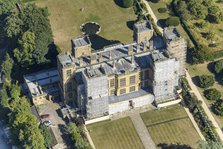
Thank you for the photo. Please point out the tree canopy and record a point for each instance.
(6, 67)
(172, 21)
(218, 66)
(212, 94)
(217, 107)
(206, 81)
(127, 3)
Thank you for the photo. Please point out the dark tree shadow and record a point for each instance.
(130, 24)
(161, 23)
(99, 42)
(195, 81)
(65, 136)
(218, 77)
(119, 3)
(173, 146)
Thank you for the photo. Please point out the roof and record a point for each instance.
(159, 56)
(171, 34)
(35, 81)
(65, 59)
(82, 41)
(142, 26)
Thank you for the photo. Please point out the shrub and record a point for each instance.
(218, 66)
(127, 3)
(172, 21)
(212, 94)
(217, 107)
(162, 10)
(206, 81)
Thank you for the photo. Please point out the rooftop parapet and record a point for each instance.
(142, 26)
(81, 41)
(171, 34)
(158, 56)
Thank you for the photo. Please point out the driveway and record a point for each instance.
(57, 122)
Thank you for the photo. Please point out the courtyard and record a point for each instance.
(170, 125)
(66, 17)
(115, 134)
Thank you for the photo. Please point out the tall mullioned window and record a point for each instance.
(68, 73)
(122, 82)
(132, 89)
(132, 79)
(112, 82)
(122, 91)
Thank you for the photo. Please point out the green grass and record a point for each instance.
(163, 16)
(66, 17)
(202, 69)
(170, 125)
(117, 134)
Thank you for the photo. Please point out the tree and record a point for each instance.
(197, 8)
(212, 94)
(7, 6)
(210, 145)
(182, 10)
(25, 53)
(7, 67)
(76, 138)
(36, 20)
(206, 81)
(172, 21)
(214, 14)
(174, 146)
(47, 136)
(13, 25)
(217, 107)
(127, 3)
(218, 66)
(4, 97)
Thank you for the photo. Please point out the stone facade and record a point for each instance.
(118, 77)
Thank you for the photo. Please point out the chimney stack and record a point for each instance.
(151, 45)
(93, 59)
(81, 62)
(144, 46)
(138, 48)
(100, 57)
(130, 50)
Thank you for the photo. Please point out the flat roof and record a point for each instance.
(171, 34)
(82, 41)
(142, 26)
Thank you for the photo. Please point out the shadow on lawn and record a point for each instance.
(99, 42)
(218, 77)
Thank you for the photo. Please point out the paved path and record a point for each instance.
(204, 106)
(150, 11)
(142, 131)
(89, 137)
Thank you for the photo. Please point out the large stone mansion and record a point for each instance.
(121, 76)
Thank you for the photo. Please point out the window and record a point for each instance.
(122, 91)
(112, 82)
(122, 82)
(69, 86)
(142, 75)
(70, 95)
(132, 79)
(132, 89)
(68, 73)
(112, 92)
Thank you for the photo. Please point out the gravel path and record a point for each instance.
(142, 131)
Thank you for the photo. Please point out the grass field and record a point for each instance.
(170, 125)
(66, 17)
(117, 134)
(204, 69)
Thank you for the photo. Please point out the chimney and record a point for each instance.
(151, 45)
(132, 59)
(81, 62)
(93, 59)
(130, 50)
(100, 57)
(113, 64)
(137, 48)
(144, 47)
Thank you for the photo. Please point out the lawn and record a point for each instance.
(66, 17)
(163, 16)
(117, 134)
(170, 125)
(205, 69)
